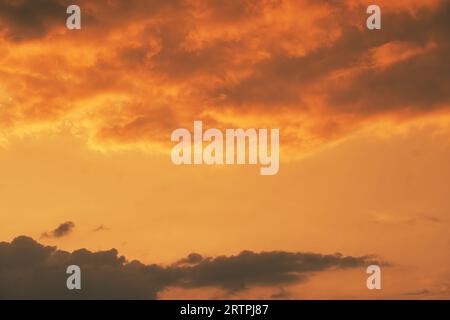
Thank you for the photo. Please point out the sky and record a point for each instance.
(86, 175)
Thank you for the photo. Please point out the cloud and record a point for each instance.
(101, 228)
(341, 72)
(31, 270)
(417, 293)
(29, 20)
(318, 74)
(191, 259)
(62, 230)
(281, 294)
(439, 291)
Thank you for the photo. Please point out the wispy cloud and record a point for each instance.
(101, 228)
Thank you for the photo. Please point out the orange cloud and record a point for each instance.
(138, 70)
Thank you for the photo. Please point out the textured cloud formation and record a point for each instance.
(31, 270)
(139, 69)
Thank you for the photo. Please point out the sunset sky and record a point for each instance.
(364, 117)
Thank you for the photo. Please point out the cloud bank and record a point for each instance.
(30, 270)
(139, 69)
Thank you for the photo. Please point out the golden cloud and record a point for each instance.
(139, 69)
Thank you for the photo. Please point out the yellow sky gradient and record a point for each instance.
(369, 194)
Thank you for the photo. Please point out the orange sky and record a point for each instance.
(86, 118)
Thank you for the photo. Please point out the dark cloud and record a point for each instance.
(62, 230)
(192, 258)
(420, 83)
(388, 219)
(165, 63)
(265, 268)
(31, 19)
(31, 270)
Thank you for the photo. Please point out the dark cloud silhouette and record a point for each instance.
(281, 294)
(31, 270)
(62, 230)
(31, 19)
(265, 268)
